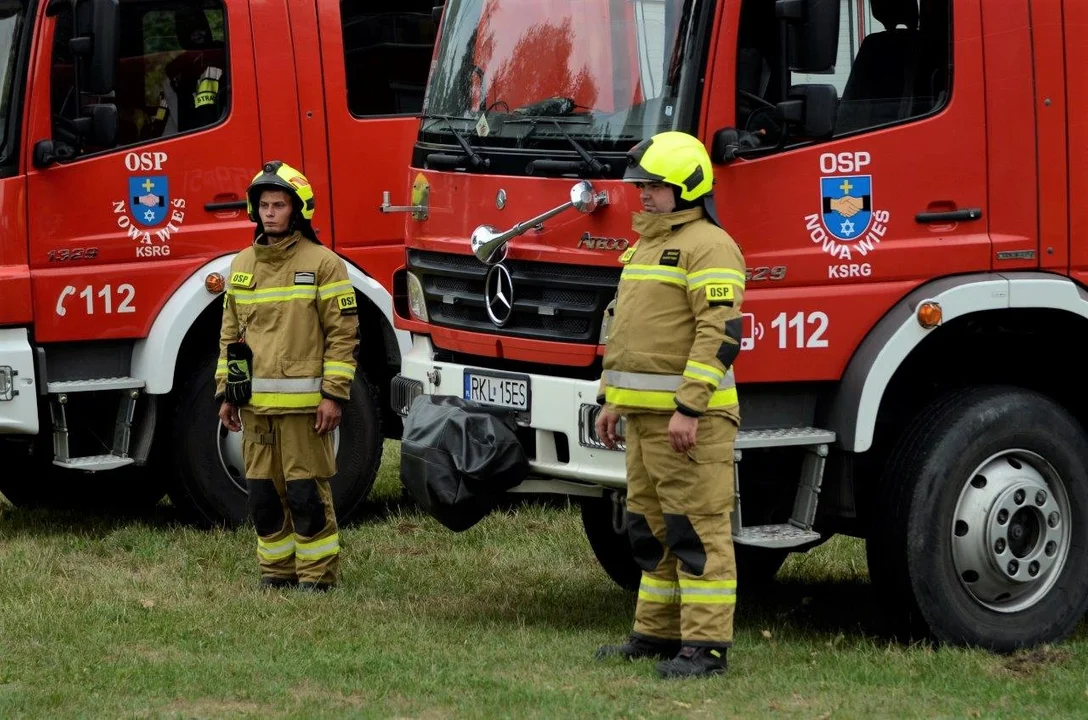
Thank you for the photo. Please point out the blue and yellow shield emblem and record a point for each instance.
(148, 199)
(847, 205)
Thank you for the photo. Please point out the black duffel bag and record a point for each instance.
(458, 458)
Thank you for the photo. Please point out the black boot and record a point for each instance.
(640, 646)
(277, 582)
(694, 662)
(315, 586)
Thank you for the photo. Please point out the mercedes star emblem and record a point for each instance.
(499, 295)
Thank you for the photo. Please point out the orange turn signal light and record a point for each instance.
(929, 314)
(215, 283)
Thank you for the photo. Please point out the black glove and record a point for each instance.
(239, 373)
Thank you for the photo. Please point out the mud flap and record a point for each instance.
(458, 458)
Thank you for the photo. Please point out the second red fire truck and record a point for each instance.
(903, 178)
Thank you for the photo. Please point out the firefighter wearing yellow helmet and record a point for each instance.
(286, 364)
(668, 371)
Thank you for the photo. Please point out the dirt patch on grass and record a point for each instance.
(1026, 663)
(211, 708)
(323, 697)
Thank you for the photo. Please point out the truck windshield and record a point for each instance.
(610, 72)
(11, 22)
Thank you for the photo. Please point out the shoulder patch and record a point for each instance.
(347, 304)
(305, 278)
(670, 258)
(627, 255)
(241, 279)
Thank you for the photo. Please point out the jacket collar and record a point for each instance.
(277, 251)
(652, 225)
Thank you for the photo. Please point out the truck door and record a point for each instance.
(115, 223)
(1076, 115)
(891, 192)
(375, 58)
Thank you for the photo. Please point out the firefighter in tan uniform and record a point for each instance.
(286, 364)
(668, 371)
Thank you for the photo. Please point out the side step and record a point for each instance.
(75, 386)
(118, 456)
(798, 531)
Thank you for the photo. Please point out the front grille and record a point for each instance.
(552, 301)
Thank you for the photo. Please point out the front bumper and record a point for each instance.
(557, 430)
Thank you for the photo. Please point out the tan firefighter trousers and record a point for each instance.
(678, 507)
(288, 466)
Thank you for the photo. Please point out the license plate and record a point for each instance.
(497, 389)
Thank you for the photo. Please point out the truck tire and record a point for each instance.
(208, 478)
(980, 529)
(756, 567)
(612, 549)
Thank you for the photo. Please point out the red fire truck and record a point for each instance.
(900, 176)
(128, 135)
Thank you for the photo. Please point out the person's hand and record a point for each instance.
(228, 415)
(682, 431)
(606, 427)
(328, 416)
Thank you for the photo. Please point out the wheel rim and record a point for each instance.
(1011, 531)
(231, 461)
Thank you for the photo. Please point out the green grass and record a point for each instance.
(107, 617)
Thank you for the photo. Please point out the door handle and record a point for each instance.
(225, 205)
(949, 215)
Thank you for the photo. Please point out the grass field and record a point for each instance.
(107, 617)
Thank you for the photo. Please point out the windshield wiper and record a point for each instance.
(589, 163)
(475, 161)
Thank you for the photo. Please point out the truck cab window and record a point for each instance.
(171, 75)
(892, 65)
(387, 55)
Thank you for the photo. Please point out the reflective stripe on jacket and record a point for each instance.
(297, 311)
(677, 324)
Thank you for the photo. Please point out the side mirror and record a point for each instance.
(96, 44)
(811, 109)
(729, 144)
(812, 33)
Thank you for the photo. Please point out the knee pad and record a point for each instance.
(265, 507)
(647, 548)
(685, 543)
(307, 509)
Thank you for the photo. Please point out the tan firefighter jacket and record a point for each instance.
(677, 325)
(293, 304)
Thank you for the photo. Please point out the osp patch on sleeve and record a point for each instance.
(241, 279)
(720, 294)
(347, 304)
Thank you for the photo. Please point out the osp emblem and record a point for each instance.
(847, 205)
(499, 295)
(148, 199)
(848, 226)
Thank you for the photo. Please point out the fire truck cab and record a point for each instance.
(129, 131)
(900, 176)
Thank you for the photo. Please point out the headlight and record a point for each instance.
(417, 304)
(7, 382)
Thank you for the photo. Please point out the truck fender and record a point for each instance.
(853, 412)
(155, 357)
